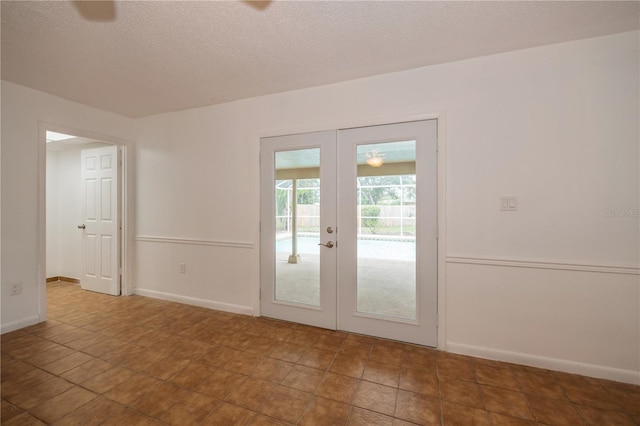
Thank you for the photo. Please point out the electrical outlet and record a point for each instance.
(16, 288)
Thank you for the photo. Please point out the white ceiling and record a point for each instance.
(153, 57)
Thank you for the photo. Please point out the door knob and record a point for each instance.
(328, 244)
(81, 226)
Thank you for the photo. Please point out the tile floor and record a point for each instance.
(139, 361)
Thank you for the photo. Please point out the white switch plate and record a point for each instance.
(509, 204)
(16, 288)
(183, 268)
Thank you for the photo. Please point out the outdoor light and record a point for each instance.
(375, 159)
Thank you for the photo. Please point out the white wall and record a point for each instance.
(70, 214)
(556, 126)
(24, 114)
(53, 207)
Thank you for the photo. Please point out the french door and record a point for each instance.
(349, 230)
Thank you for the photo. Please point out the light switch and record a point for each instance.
(509, 204)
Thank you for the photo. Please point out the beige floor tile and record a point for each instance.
(456, 368)
(286, 404)
(251, 394)
(456, 414)
(496, 376)
(262, 420)
(382, 354)
(67, 363)
(242, 363)
(24, 419)
(158, 400)
(192, 375)
(129, 417)
(33, 396)
(227, 414)
(9, 411)
(317, 358)
(418, 408)
(506, 402)
(108, 379)
(287, 351)
(272, 370)
(304, 378)
(93, 413)
(40, 359)
(338, 388)
(86, 371)
(62, 404)
(597, 416)
(220, 383)
(419, 381)
(461, 392)
(349, 364)
(192, 409)
(384, 374)
(503, 420)
(133, 388)
(375, 397)
(322, 411)
(555, 412)
(181, 365)
(361, 417)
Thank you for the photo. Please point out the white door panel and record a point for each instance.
(297, 274)
(101, 232)
(387, 275)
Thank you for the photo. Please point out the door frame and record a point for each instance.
(126, 198)
(440, 116)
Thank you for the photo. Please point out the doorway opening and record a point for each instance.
(82, 212)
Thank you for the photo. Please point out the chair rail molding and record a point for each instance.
(545, 264)
(193, 241)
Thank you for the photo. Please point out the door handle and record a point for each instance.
(81, 226)
(328, 244)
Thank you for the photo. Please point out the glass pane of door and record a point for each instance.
(387, 262)
(297, 213)
(297, 225)
(386, 235)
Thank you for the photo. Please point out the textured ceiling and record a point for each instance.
(140, 58)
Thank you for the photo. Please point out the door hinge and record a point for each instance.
(437, 320)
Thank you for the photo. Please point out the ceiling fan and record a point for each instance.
(105, 10)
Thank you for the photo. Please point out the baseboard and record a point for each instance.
(204, 303)
(17, 325)
(65, 279)
(574, 367)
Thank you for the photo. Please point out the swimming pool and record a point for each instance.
(367, 247)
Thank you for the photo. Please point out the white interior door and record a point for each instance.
(101, 222)
(378, 274)
(298, 228)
